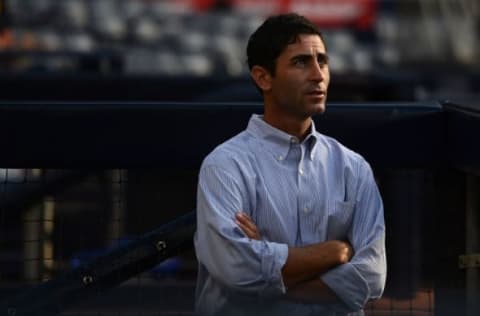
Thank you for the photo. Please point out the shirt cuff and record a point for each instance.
(349, 286)
(273, 260)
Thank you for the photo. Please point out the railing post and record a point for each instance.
(449, 243)
(472, 243)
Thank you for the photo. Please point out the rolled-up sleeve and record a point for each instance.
(237, 262)
(363, 278)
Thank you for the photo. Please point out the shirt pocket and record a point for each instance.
(340, 215)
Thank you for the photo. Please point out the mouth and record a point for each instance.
(317, 93)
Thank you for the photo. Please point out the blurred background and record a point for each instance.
(380, 49)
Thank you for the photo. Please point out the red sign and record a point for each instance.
(356, 13)
(359, 13)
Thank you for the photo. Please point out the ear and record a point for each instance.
(262, 77)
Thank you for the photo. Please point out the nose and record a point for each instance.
(317, 71)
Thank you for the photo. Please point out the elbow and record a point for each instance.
(247, 277)
(377, 285)
(251, 280)
(241, 281)
(244, 266)
(365, 291)
(377, 279)
(255, 286)
(373, 290)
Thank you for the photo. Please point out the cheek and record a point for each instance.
(327, 77)
(286, 87)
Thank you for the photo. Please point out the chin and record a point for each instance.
(318, 109)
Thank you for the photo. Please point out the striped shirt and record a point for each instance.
(297, 193)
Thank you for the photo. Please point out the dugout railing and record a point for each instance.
(425, 157)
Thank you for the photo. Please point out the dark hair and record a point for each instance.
(271, 38)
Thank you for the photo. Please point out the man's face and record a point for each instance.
(299, 86)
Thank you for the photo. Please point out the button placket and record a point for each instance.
(301, 169)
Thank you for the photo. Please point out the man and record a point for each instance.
(289, 222)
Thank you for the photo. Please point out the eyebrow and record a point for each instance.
(320, 56)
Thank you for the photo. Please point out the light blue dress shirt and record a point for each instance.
(297, 193)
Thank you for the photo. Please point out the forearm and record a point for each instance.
(303, 263)
(313, 291)
(361, 279)
(306, 263)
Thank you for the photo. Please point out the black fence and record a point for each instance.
(96, 197)
(86, 86)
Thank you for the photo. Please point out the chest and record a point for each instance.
(300, 201)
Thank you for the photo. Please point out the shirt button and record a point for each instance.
(306, 210)
(300, 171)
(293, 140)
(280, 158)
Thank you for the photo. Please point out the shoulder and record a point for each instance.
(343, 156)
(231, 153)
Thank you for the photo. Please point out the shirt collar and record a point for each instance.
(277, 141)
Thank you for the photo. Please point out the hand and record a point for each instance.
(247, 225)
(345, 250)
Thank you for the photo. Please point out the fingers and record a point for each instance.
(342, 250)
(347, 251)
(245, 220)
(350, 251)
(247, 225)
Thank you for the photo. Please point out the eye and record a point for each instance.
(300, 62)
(322, 60)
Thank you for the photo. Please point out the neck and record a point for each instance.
(290, 125)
